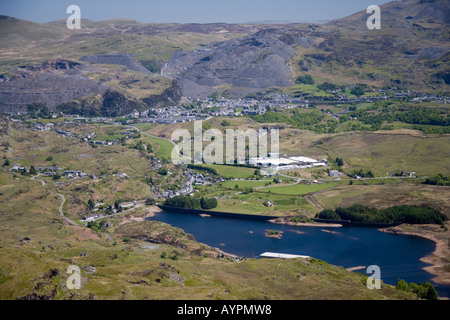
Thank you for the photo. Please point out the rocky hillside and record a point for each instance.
(412, 49)
(253, 63)
(147, 67)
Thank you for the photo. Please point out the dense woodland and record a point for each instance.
(438, 180)
(187, 202)
(402, 214)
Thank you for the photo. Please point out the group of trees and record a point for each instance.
(422, 290)
(327, 86)
(143, 148)
(413, 115)
(359, 90)
(438, 180)
(298, 119)
(94, 225)
(402, 214)
(187, 202)
(39, 110)
(361, 173)
(244, 190)
(202, 168)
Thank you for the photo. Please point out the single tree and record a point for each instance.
(33, 170)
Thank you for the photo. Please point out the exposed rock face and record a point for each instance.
(52, 82)
(121, 59)
(256, 62)
(116, 104)
(52, 65)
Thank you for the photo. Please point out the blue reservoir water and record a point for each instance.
(398, 256)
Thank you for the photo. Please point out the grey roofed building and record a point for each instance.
(334, 173)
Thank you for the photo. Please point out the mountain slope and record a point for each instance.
(255, 62)
(411, 50)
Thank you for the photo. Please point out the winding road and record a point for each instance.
(61, 213)
(62, 203)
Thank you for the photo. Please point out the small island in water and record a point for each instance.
(274, 233)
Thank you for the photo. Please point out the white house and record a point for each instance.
(91, 218)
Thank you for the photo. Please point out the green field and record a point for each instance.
(231, 172)
(257, 203)
(161, 147)
(298, 189)
(231, 184)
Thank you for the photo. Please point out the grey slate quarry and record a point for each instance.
(120, 59)
(249, 64)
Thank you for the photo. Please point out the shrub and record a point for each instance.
(163, 171)
(306, 79)
(401, 285)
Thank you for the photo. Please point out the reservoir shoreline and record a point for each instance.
(436, 259)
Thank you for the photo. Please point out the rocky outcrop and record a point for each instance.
(156, 232)
(116, 104)
(52, 65)
(169, 96)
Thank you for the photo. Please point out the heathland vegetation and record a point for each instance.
(386, 115)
